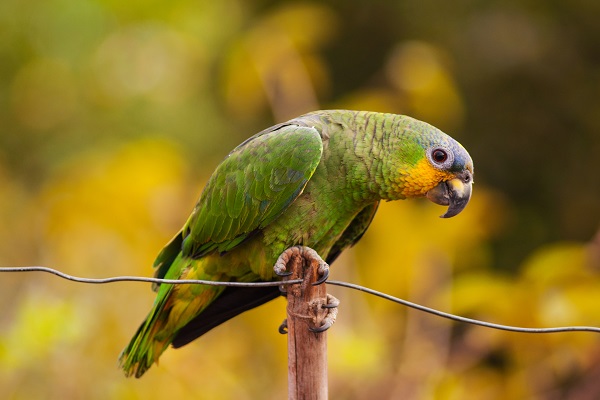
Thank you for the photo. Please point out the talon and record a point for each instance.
(283, 327)
(332, 302)
(329, 320)
(324, 272)
(283, 290)
(280, 268)
(322, 328)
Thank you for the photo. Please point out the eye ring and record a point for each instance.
(440, 157)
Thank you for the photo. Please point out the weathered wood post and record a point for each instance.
(306, 311)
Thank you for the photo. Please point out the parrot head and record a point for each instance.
(455, 190)
(436, 166)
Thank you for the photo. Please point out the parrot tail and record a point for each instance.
(175, 306)
(147, 344)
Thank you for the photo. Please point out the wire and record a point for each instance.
(464, 319)
(144, 279)
(296, 281)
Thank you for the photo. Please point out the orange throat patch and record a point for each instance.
(421, 178)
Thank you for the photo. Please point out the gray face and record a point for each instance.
(455, 193)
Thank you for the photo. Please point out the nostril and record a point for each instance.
(467, 178)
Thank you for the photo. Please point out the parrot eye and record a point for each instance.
(439, 156)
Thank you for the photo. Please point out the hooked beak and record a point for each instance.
(454, 193)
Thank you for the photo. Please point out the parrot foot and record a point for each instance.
(280, 266)
(323, 271)
(283, 328)
(329, 320)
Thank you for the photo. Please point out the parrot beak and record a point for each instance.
(454, 193)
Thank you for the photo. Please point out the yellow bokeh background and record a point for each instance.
(114, 114)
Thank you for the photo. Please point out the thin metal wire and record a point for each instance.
(295, 281)
(464, 319)
(144, 279)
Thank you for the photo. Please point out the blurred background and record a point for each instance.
(114, 114)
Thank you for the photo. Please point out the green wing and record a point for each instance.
(255, 184)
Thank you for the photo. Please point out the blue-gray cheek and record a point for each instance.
(461, 158)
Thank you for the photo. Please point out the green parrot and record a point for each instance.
(315, 181)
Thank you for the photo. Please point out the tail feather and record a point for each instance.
(153, 337)
(175, 306)
(145, 348)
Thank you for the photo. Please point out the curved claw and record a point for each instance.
(282, 274)
(329, 320)
(283, 290)
(322, 328)
(332, 302)
(283, 328)
(324, 272)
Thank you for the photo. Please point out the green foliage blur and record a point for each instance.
(113, 115)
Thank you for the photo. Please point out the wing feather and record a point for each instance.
(255, 184)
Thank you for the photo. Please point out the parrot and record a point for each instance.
(315, 181)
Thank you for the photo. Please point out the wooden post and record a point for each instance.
(307, 350)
